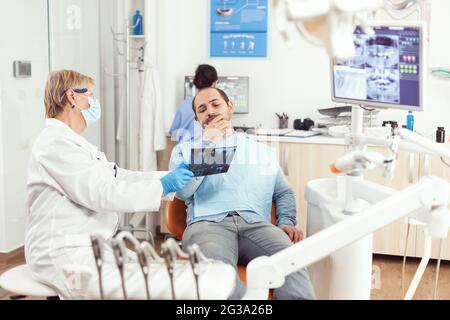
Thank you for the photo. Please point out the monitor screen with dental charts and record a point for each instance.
(236, 88)
(387, 71)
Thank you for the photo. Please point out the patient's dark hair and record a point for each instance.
(221, 92)
(205, 76)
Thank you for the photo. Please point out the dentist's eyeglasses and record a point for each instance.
(78, 90)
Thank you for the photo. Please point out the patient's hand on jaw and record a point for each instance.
(294, 234)
(216, 127)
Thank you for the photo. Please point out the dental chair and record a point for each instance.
(176, 224)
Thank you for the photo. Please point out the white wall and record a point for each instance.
(2, 183)
(22, 115)
(75, 44)
(108, 83)
(292, 80)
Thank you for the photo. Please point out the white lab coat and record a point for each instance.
(152, 136)
(73, 192)
(147, 131)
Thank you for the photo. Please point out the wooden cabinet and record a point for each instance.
(391, 239)
(301, 163)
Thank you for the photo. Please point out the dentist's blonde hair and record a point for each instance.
(58, 82)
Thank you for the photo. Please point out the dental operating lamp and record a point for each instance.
(328, 23)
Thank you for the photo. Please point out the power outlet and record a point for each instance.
(22, 69)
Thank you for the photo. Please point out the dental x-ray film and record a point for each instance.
(209, 161)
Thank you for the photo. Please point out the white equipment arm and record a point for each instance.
(427, 201)
(433, 148)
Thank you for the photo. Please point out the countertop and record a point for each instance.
(322, 139)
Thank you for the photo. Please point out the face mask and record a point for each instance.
(93, 113)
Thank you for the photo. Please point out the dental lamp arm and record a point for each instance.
(264, 273)
(309, 9)
(357, 5)
(411, 141)
(306, 9)
(432, 147)
(403, 145)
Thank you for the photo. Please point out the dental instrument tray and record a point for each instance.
(336, 111)
(209, 161)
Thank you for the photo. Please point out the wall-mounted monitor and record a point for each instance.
(387, 70)
(237, 89)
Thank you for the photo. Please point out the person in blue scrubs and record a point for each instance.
(184, 126)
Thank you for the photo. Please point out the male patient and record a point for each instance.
(228, 214)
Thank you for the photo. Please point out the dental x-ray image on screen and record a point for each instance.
(209, 161)
(385, 70)
(237, 89)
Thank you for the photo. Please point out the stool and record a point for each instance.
(19, 280)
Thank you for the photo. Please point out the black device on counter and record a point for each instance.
(440, 135)
(209, 161)
(303, 124)
(248, 130)
(392, 124)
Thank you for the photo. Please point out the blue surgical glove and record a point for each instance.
(177, 179)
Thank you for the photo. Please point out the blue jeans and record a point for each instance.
(234, 241)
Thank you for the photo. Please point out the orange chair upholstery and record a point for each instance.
(176, 217)
(176, 224)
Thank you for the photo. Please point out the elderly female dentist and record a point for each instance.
(73, 191)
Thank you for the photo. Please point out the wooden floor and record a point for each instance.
(386, 287)
(18, 260)
(390, 269)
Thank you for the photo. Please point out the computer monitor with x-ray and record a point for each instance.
(387, 70)
(236, 88)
